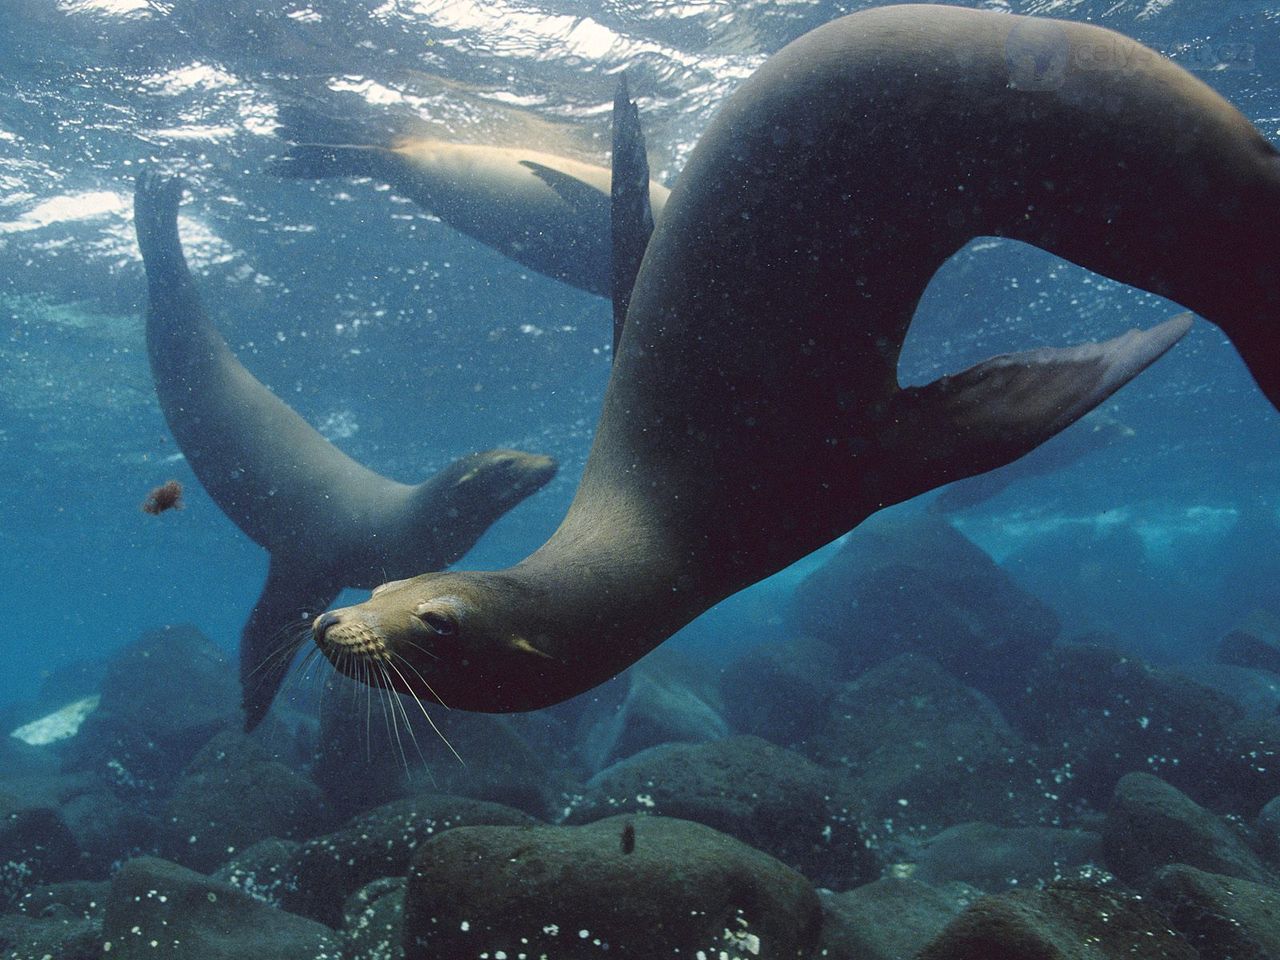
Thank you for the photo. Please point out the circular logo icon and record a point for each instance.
(1037, 53)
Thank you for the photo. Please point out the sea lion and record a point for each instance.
(753, 413)
(327, 521)
(547, 212)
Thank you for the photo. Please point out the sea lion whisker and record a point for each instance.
(287, 641)
(439, 732)
(405, 641)
(389, 700)
(417, 673)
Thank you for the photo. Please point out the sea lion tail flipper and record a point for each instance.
(275, 630)
(995, 412)
(630, 213)
(318, 161)
(156, 198)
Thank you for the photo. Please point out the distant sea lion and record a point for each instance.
(754, 414)
(547, 212)
(327, 521)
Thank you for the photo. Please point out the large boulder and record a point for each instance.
(1064, 922)
(639, 887)
(326, 870)
(780, 692)
(890, 919)
(661, 705)
(923, 751)
(1222, 917)
(157, 909)
(163, 697)
(232, 796)
(1151, 825)
(36, 847)
(766, 796)
(373, 921)
(1098, 714)
(363, 762)
(911, 583)
(996, 858)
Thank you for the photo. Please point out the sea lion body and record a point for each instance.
(547, 212)
(754, 413)
(327, 521)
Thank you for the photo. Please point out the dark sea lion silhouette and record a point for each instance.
(754, 413)
(550, 213)
(327, 521)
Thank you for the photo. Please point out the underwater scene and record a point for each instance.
(718, 480)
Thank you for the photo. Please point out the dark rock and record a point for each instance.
(1098, 714)
(158, 909)
(766, 796)
(573, 893)
(1267, 829)
(35, 848)
(1064, 922)
(377, 844)
(85, 899)
(996, 858)
(373, 921)
(914, 584)
(265, 871)
(232, 796)
(890, 919)
(1224, 918)
(57, 934)
(163, 697)
(108, 828)
(923, 752)
(660, 706)
(779, 693)
(1248, 648)
(362, 762)
(1151, 824)
(1100, 579)
(105, 829)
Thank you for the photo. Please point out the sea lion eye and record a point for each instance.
(441, 623)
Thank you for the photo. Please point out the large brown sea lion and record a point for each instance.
(754, 413)
(547, 212)
(327, 521)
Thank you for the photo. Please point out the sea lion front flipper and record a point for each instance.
(289, 599)
(630, 213)
(1002, 408)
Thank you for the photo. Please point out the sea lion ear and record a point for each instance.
(993, 413)
(524, 646)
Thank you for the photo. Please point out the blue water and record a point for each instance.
(409, 344)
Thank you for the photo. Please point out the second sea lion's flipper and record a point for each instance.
(578, 194)
(995, 412)
(630, 217)
(277, 627)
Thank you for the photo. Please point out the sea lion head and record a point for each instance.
(448, 638)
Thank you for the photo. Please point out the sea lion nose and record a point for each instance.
(323, 623)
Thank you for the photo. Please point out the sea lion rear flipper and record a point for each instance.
(289, 599)
(630, 213)
(995, 412)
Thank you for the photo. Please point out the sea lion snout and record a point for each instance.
(336, 634)
(321, 624)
